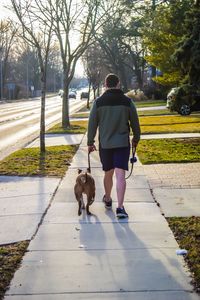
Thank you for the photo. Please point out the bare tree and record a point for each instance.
(54, 70)
(95, 71)
(23, 67)
(7, 34)
(121, 43)
(74, 23)
(37, 34)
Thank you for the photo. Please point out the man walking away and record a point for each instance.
(113, 114)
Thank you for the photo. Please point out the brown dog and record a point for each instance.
(84, 185)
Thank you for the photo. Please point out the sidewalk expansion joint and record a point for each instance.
(121, 291)
(103, 249)
(24, 214)
(157, 203)
(26, 195)
(46, 210)
(98, 222)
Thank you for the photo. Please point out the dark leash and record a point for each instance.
(133, 159)
(89, 167)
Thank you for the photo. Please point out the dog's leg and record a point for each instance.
(79, 207)
(87, 205)
(79, 199)
(82, 203)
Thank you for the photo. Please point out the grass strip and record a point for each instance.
(29, 162)
(76, 127)
(169, 124)
(169, 120)
(80, 115)
(187, 233)
(169, 150)
(156, 112)
(174, 128)
(10, 259)
(150, 103)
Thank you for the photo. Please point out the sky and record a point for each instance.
(5, 13)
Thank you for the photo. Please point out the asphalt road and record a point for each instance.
(20, 121)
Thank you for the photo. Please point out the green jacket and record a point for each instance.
(114, 114)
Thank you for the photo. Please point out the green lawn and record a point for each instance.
(169, 120)
(187, 234)
(159, 123)
(77, 127)
(80, 115)
(170, 124)
(157, 112)
(169, 150)
(28, 162)
(149, 103)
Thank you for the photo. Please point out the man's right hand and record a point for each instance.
(134, 143)
(91, 148)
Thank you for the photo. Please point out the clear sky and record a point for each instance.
(3, 11)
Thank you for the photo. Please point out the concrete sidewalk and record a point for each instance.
(23, 201)
(99, 257)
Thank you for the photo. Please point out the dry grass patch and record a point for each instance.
(10, 259)
(29, 162)
(187, 234)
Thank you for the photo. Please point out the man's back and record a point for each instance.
(114, 113)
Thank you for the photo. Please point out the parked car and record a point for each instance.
(72, 95)
(73, 91)
(60, 93)
(84, 95)
(184, 100)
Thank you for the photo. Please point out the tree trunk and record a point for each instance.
(98, 90)
(139, 77)
(94, 92)
(122, 74)
(65, 110)
(88, 100)
(123, 78)
(142, 71)
(42, 116)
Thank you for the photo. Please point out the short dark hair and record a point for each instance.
(111, 80)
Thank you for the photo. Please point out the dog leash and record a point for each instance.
(133, 159)
(89, 167)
